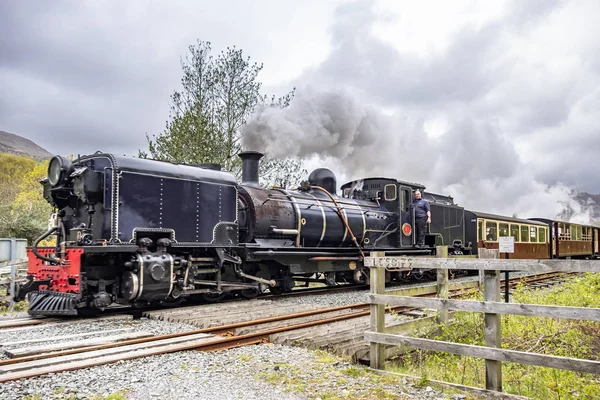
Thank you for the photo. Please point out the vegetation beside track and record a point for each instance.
(561, 337)
(331, 377)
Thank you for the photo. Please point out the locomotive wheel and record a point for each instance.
(88, 312)
(172, 302)
(249, 293)
(213, 297)
(276, 290)
(417, 274)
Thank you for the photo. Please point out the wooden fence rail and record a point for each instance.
(492, 352)
(12, 273)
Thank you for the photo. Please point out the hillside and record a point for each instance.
(17, 145)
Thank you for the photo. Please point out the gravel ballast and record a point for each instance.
(95, 327)
(361, 296)
(252, 372)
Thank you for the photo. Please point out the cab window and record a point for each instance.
(389, 193)
(480, 230)
(503, 229)
(542, 235)
(491, 231)
(524, 233)
(514, 231)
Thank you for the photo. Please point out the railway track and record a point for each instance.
(29, 321)
(211, 338)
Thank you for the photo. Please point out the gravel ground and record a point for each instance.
(92, 325)
(253, 372)
(360, 296)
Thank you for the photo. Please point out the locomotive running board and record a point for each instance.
(45, 303)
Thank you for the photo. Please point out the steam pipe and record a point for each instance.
(344, 220)
(284, 232)
(38, 240)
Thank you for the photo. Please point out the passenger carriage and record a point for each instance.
(532, 239)
(570, 239)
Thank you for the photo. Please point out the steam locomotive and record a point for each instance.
(133, 231)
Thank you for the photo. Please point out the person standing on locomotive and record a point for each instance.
(422, 217)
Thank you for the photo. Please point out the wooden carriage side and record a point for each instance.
(532, 238)
(571, 239)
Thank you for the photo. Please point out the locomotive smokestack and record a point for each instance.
(250, 167)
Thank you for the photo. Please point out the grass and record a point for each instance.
(332, 378)
(4, 305)
(561, 337)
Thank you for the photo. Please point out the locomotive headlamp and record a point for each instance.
(59, 170)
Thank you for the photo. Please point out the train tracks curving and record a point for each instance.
(212, 338)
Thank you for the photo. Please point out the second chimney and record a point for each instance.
(250, 167)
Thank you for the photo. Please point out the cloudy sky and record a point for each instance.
(471, 98)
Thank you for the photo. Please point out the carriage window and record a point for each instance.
(503, 229)
(532, 234)
(542, 236)
(514, 231)
(524, 233)
(389, 193)
(491, 231)
(480, 230)
(586, 233)
(347, 192)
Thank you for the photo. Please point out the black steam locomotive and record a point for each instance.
(133, 231)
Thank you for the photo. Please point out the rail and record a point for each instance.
(492, 352)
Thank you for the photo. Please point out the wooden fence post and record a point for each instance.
(442, 284)
(493, 331)
(377, 350)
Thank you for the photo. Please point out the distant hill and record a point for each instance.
(17, 145)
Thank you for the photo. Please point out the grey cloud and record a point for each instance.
(77, 76)
(489, 97)
(480, 78)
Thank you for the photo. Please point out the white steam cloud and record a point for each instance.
(471, 161)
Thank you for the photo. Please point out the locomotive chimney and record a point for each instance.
(250, 167)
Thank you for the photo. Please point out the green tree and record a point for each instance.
(23, 211)
(218, 96)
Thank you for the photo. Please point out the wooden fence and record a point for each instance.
(11, 273)
(491, 307)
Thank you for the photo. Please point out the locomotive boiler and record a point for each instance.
(135, 232)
